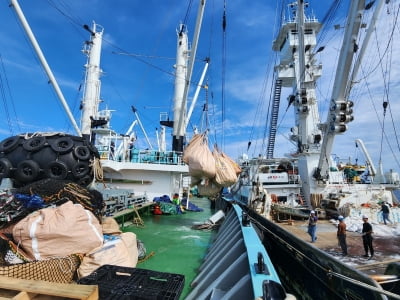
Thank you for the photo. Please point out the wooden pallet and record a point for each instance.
(21, 289)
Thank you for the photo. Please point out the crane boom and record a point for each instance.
(340, 108)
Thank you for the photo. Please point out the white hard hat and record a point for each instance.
(340, 217)
(364, 217)
(312, 212)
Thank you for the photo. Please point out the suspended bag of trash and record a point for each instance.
(208, 188)
(199, 157)
(225, 172)
(234, 164)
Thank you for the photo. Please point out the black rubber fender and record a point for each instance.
(82, 152)
(80, 169)
(9, 144)
(85, 180)
(62, 145)
(94, 151)
(5, 167)
(56, 170)
(27, 171)
(34, 144)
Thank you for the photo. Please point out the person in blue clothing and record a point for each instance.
(385, 209)
(312, 226)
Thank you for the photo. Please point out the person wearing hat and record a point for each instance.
(367, 237)
(341, 235)
(312, 226)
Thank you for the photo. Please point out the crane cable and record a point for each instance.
(223, 71)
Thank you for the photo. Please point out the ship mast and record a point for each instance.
(91, 98)
(298, 70)
(181, 69)
(180, 99)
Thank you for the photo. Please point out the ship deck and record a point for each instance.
(172, 245)
(386, 247)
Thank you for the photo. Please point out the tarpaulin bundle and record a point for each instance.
(30, 201)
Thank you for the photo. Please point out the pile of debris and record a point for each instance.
(54, 230)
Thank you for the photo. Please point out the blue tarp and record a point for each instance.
(192, 206)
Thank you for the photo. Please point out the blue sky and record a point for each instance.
(148, 28)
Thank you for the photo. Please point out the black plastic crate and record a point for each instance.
(117, 282)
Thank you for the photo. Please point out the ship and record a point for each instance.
(309, 177)
(229, 259)
(279, 189)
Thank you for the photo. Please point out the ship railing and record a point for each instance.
(142, 156)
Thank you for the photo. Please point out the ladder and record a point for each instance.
(274, 118)
(137, 220)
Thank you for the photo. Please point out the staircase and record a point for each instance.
(274, 118)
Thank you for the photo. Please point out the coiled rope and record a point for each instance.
(97, 169)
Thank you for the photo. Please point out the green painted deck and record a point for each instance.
(177, 247)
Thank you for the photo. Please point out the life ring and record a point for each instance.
(5, 167)
(9, 144)
(27, 170)
(56, 170)
(34, 144)
(62, 145)
(80, 169)
(82, 152)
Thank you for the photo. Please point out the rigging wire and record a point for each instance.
(367, 87)
(189, 7)
(384, 65)
(388, 104)
(209, 95)
(223, 71)
(259, 112)
(386, 48)
(328, 20)
(386, 73)
(35, 58)
(65, 12)
(4, 88)
(78, 22)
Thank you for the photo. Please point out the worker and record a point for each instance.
(385, 209)
(341, 235)
(367, 237)
(175, 199)
(312, 226)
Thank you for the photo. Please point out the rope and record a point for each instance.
(146, 257)
(98, 170)
(364, 285)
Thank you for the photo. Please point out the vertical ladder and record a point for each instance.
(274, 118)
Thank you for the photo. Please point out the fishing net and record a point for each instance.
(52, 190)
(60, 270)
(44, 193)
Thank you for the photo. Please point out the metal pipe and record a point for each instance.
(46, 67)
